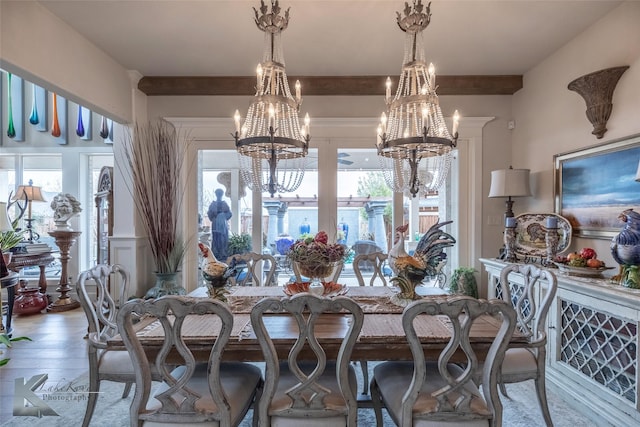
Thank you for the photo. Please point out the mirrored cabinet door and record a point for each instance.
(104, 214)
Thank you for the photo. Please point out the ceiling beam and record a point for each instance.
(328, 85)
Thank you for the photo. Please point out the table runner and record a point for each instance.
(372, 299)
(206, 326)
(381, 326)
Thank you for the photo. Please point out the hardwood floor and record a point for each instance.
(58, 349)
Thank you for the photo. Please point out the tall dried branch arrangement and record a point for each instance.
(156, 158)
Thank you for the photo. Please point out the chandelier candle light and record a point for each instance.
(271, 144)
(413, 128)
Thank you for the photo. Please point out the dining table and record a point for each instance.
(381, 338)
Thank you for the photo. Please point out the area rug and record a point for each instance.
(69, 399)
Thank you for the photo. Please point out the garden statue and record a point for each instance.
(219, 213)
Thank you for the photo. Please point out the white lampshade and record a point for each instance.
(510, 183)
(30, 192)
(5, 224)
(638, 173)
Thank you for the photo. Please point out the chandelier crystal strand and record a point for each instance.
(414, 144)
(271, 146)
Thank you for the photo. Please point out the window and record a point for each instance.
(283, 214)
(44, 172)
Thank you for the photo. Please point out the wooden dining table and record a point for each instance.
(381, 338)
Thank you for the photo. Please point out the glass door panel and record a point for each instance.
(364, 208)
(224, 204)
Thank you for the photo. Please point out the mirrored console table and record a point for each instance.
(592, 354)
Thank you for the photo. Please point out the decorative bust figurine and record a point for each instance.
(65, 207)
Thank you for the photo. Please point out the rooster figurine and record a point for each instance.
(625, 248)
(397, 252)
(215, 273)
(411, 270)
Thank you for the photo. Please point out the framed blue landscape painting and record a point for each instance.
(593, 186)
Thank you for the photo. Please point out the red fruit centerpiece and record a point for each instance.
(315, 256)
(588, 253)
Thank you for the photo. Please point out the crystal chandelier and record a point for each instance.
(414, 144)
(271, 144)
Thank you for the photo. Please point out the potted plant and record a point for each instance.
(239, 243)
(156, 155)
(9, 238)
(7, 342)
(463, 282)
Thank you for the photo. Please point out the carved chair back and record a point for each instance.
(377, 261)
(529, 297)
(442, 391)
(256, 265)
(101, 311)
(179, 402)
(306, 395)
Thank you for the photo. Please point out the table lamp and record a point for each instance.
(510, 183)
(30, 193)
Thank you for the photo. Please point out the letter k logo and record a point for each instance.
(24, 391)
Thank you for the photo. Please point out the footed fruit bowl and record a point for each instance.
(581, 271)
(328, 289)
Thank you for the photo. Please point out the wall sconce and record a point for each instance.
(510, 183)
(30, 193)
(597, 90)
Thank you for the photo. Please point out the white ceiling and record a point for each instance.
(327, 38)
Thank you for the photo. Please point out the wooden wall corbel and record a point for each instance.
(597, 90)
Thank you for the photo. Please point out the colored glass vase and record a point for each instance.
(55, 125)
(11, 130)
(104, 128)
(80, 127)
(34, 119)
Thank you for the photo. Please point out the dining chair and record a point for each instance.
(256, 265)
(375, 262)
(101, 310)
(306, 389)
(530, 289)
(430, 393)
(214, 393)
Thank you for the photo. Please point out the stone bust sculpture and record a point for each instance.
(65, 206)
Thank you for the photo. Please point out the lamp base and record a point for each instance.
(34, 236)
(509, 205)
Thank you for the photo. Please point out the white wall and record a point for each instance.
(550, 119)
(41, 48)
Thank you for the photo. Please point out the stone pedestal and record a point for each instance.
(64, 240)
